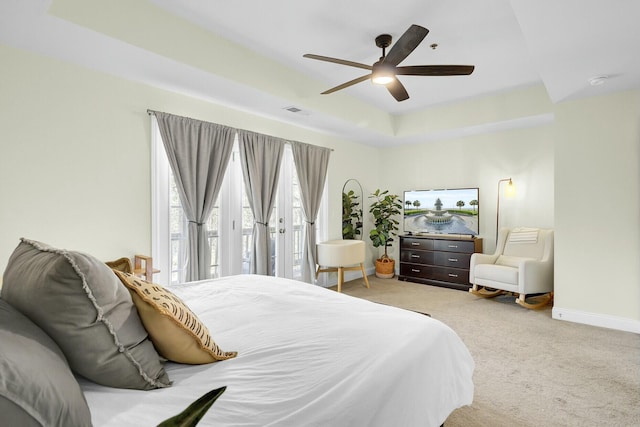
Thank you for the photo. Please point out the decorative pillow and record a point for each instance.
(77, 301)
(37, 386)
(121, 264)
(175, 330)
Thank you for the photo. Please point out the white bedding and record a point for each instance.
(307, 356)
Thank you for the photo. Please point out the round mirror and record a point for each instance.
(352, 210)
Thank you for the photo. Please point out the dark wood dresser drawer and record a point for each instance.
(416, 270)
(452, 259)
(416, 243)
(454, 246)
(452, 275)
(417, 257)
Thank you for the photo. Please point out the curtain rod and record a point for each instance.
(150, 112)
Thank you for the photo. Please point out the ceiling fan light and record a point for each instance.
(381, 79)
(382, 74)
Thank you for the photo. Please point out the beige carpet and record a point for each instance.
(531, 370)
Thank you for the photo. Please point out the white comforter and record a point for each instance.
(307, 356)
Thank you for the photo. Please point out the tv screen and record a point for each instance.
(449, 211)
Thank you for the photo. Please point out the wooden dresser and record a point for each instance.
(441, 260)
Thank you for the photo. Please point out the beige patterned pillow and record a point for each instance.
(175, 330)
(121, 264)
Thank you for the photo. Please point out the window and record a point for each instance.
(230, 225)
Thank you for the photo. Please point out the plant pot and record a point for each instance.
(385, 268)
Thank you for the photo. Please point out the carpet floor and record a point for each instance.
(531, 370)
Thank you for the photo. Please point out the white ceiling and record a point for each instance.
(513, 44)
(464, 31)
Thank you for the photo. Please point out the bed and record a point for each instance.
(306, 356)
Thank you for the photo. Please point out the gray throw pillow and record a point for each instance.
(36, 385)
(80, 303)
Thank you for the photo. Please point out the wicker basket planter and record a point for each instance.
(385, 268)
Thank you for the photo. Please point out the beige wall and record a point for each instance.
(525, 155)
(74, 170)
(598, 210)
(579, 174)
(75, 155)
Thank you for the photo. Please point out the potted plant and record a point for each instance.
(384, 209)
(351, 215)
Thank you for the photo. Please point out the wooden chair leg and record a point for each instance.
(340, 278)
(484, 292)
(542, 301)
(364, 275)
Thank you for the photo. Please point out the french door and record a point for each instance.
(236, 223)
(289, 222)
(230, 225)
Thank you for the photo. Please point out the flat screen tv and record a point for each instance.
(447, 211)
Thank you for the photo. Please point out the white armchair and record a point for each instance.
(522, 264)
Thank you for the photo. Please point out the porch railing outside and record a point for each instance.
(179, 252)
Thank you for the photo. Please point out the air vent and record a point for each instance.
(296, 110)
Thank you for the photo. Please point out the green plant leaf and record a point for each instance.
(384, 209)
(194, 412)
(351, 215)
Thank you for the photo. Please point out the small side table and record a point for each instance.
(143, 267)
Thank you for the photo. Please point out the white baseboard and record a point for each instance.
(595, 319)
(331, 279)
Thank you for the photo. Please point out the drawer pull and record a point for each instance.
(453, 246)
(415, 256)
(415, 243)
(453, 275)
(413, 270)
(453, 259)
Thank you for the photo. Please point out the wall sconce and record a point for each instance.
(509, 191)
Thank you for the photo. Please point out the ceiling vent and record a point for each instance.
(296, 110)
(598, 80)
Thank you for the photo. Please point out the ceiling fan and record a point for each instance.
(385, 70)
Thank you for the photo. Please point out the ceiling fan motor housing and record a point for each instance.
(383, 41)
(382, 69)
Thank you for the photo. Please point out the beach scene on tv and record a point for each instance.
(453, 211)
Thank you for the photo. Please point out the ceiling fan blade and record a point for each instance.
(347, 84)
(406, 44)
(435, 70)
(397, 90)
(337, 61)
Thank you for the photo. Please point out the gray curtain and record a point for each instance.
(260, 156)
(311, 165)
(198, 154)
